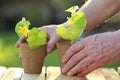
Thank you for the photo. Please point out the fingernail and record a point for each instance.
(69, 74)
(63, 69)
(48, 50)
(17, 45)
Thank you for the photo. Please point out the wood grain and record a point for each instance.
(54, 73)
(2, 71)
(104, 74)
(34, 76)
(13, 74)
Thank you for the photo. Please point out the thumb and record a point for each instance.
(19, 41)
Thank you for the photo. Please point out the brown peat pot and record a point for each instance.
(32, 60)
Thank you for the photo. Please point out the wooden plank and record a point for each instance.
(110, 74)
(13, 74)
(2, 71)
(95, 75)
(54, 73)
(34, 76)
(103, 74)
(42, 76)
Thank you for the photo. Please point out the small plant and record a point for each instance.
(34, 37)
(32, 48)
(76, 24)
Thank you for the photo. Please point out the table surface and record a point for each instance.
(53, 73)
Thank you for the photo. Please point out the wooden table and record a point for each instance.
(53, 73)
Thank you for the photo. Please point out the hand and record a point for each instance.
(91, 53)
(51, 36)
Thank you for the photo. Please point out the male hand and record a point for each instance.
(51, 37)
(91, 53)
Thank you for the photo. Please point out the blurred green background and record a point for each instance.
(39, 12)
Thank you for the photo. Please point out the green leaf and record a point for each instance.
(20, 24)
(75, 30)
(36, 38)
(71, 9)
(61, 30)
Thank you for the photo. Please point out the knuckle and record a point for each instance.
(75, 59)
(72, 49)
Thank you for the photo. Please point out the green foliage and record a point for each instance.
(9, 54)
(72, 9)
(36, 38)
(21, 24)
(76, 23)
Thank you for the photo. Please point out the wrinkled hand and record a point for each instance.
(51, 36)
(91, 53)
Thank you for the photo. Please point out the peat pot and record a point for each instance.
(32, 60)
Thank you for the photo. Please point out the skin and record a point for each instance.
(50, 33)
(97, 50)
(91, 52)
(52, 37)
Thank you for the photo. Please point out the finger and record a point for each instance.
(19, 41)
(17, 44)
(80, 66)
(88, 70)
(73, 61)
(95, 65)
(20, 57)
(52, 43)
(72, 50)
